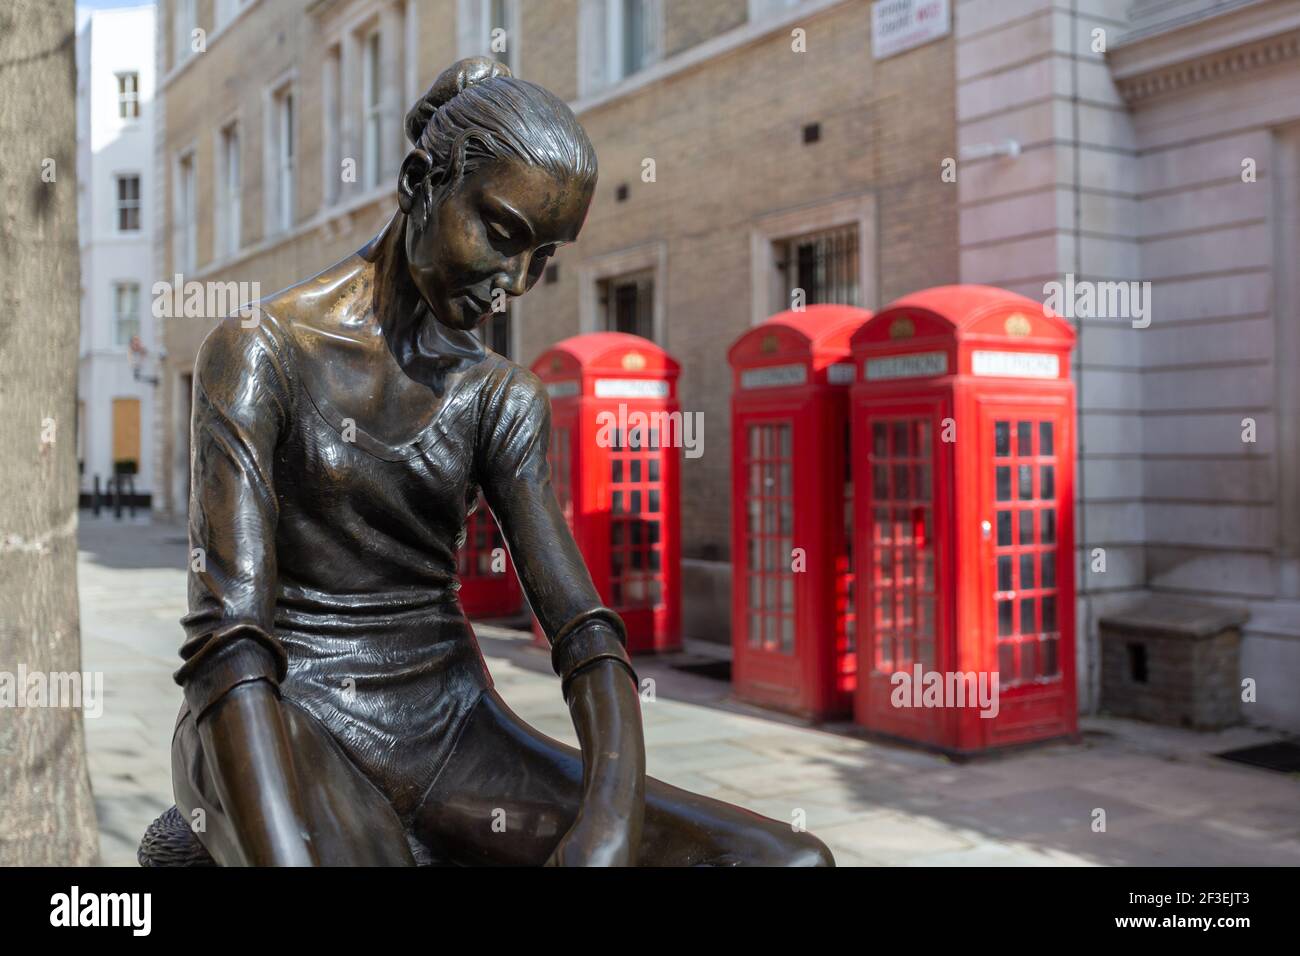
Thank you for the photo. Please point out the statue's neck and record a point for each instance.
(417, 338)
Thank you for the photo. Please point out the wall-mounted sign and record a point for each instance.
(899, 25)
(919, 365)
(1016, 364)
(631, 388)
(773, 376)
(565, 389)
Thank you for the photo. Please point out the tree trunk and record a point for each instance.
(47, 815)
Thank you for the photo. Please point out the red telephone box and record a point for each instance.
(963, 453)
(792, 512)
(615, 466)
(486, 591)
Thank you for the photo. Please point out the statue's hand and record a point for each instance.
(595, 839)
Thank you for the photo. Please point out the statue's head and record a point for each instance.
(500, 175)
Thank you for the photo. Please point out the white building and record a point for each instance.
(115, 84)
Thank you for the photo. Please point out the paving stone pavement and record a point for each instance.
(1167, 800)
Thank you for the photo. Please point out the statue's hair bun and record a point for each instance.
(451, 81)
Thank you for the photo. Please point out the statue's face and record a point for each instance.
(491, 237)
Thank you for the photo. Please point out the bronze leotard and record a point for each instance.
(329, 552)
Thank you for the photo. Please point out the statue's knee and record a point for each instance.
(787, 847)
(807, 850)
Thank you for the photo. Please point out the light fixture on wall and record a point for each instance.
(139, 356)
(1009, 148)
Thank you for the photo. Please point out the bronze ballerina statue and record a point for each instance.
(337, 708)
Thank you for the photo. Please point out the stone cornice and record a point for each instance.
(1176, 77)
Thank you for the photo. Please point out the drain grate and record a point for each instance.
(1281, 755)
(713, 670)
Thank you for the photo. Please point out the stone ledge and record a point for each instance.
(1174, 617)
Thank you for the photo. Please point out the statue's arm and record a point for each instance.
(233, 660)
(588, 639)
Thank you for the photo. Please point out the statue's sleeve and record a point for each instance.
(241, 404)
(515, 475)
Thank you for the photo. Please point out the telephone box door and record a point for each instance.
(765, 456)
(1027, 596)
(903, 559)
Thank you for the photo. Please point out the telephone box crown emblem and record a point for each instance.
(903, 328)
(634, 361)
(1017, 324)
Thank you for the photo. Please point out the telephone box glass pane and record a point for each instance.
(1026, 572)
(636, 494)
(1027, 616)
(1004, 573)
(1001, 439)
(771, 499)
(901, 577)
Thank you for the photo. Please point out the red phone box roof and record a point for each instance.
(819, 334)
(975, 314)
(601, 354)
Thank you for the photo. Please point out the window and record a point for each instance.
(128, 203)
(627, 303)
(184, 220)
(826, 249)
(617, 38)
(227, 220)
(281, 196)
(225, 11)
(128, 95)
(332, 133)
(824, 265)
(183, 23)
(126, 312)
(372, 110)
(490, 28)
(762, 9)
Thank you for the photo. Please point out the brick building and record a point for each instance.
(748, 147)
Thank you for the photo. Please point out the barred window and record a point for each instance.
(627, 303)
(823, 264)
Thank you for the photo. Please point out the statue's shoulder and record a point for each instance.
(332, 305)
(292, 330)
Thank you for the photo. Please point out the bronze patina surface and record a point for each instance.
(337, 708)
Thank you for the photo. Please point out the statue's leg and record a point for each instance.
(508, 793)
(349, 820)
